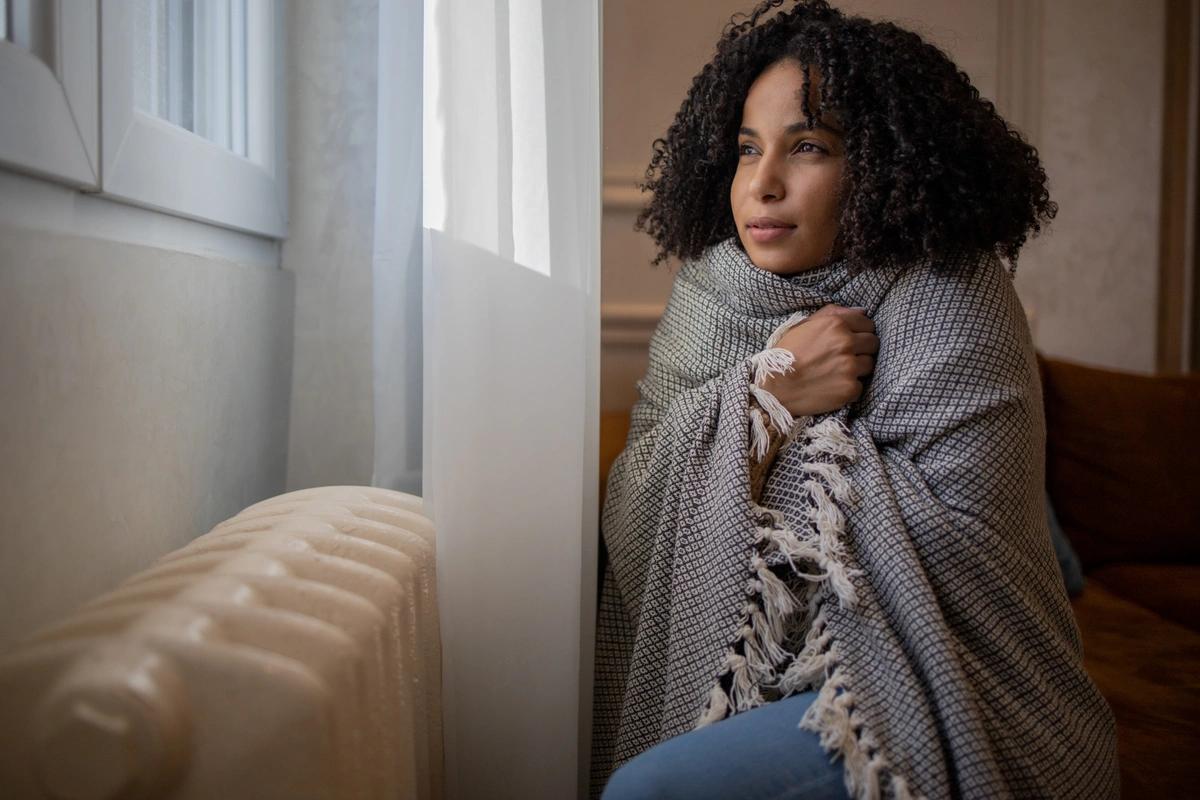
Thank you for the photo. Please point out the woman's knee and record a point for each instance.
(646, 777)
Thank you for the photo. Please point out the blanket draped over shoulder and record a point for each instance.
(898, 560)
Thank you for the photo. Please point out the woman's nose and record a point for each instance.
(767, 183)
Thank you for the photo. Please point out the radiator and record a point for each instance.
(292, 652)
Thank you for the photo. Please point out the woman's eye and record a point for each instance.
(809, 147)
(745, 149)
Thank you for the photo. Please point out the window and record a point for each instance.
(192, 121)
(187, 116)
(48, 60)
(27, 23)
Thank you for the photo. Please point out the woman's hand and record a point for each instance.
(832, 348)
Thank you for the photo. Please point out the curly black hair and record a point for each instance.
(931, 167)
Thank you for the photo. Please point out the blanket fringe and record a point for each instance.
(771, 603)
(791, 322)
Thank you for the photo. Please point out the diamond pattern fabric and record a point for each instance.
(899, 559)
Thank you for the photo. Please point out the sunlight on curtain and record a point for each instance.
(396, 252)
(530, 189)
(485, 102)
(511, 287)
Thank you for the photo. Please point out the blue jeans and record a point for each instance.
(759, 754)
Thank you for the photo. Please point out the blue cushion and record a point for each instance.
(1068, 562)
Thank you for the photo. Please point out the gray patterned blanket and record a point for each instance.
(898, 560)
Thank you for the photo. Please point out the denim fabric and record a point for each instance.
(1068, 562)
(759, 754)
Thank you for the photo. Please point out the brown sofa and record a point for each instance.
(1123, 474)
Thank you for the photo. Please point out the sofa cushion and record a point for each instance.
(614, 429)
(1123, 463)
(1170, 590)
(1146, 667)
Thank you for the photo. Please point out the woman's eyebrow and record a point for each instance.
(794, 128)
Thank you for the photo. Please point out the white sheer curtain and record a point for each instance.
(511, 310)
(396, 253)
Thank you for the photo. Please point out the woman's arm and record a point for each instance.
(830, 350)
(760, 465)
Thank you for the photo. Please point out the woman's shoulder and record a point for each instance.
(959, 316)
(962, 295)
(960, 278)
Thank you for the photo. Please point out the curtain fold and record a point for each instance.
(396, 252)
(511, 340)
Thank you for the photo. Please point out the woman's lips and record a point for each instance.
(765, 230)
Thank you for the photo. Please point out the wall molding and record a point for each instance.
(1177, 268)
(1019, 65)
(620, 192)
(49, 206)
(628, 324)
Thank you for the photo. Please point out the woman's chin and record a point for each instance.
(780, 263)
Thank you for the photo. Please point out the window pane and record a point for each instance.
(30, 24)
(190, 61)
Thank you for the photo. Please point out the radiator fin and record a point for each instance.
(292, 652)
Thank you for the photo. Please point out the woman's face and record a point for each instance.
(785, 191)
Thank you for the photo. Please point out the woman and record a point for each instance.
(829, 569)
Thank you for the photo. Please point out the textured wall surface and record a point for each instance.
(1092, 280)
(144, 396)
(332, 51)
(1087, 77)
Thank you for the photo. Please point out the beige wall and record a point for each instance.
(144, 396)
(1093, 279)
(1082, 79)
(149, 394)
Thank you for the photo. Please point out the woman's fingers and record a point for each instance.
(858, 321)
(864, 343)
(854, 316)
(864, 365)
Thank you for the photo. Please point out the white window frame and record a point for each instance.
(153, 163)
(49, 114)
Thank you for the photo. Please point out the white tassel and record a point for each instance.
(809, 665)
(791, 322)
(756, 659)
(760, 439)
(745, 693)
(780, 417)
(839, 579)
(799, 426)
(778, 600)
(839, 486)
(830, 437)
(794, 547)
(764, 627)
(805, 670)
(828, 518)
(765, 515)
(771, 362)
(842, 732)
(768, 639)
(718, 707)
